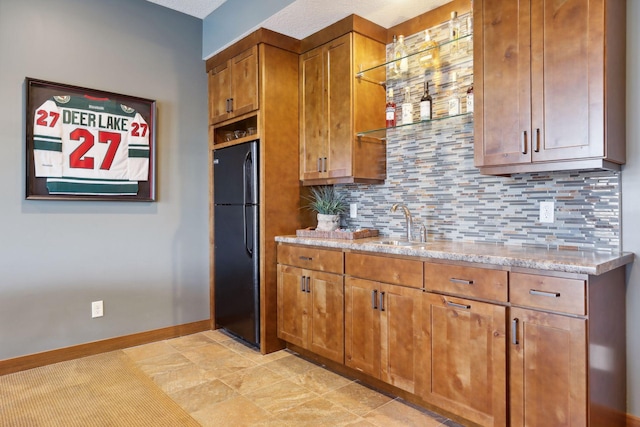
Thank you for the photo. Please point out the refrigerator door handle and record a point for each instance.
(247, 160)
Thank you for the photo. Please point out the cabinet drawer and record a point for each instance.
(467, 281)
(311, 258)
(396, 271)
(549, 293)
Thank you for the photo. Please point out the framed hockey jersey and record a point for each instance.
(85, 144)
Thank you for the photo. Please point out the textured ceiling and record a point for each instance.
(304, 17)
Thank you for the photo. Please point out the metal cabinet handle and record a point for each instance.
(537, 140)
(374, 299)
(514, 331)
(456, 305)
(381, 301)
(319, 164)
(302, 283)
(308, 284)
(230, 104)
(461, 281)
(524, 142)
(544, 294)
(324, 164)
(305, 258)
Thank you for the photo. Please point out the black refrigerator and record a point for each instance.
(236, 247)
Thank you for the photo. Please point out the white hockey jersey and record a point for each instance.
(89, 146)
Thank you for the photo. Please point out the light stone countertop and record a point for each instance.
(568, 261)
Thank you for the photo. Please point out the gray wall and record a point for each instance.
(631, 205)
(147, 261)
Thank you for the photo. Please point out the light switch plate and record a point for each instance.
(353, 210)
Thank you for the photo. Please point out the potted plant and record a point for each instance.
(329, 205)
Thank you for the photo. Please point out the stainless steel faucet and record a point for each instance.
(407, 216)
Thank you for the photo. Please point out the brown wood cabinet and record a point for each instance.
(549, 85)
(382, 330)
(334, 104)
(463, 367)
(233, 87)
(567, 369)
(311, 310)
(279, 192)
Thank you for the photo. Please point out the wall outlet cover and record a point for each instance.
(97, 309)
(547, 212)
(353, 210)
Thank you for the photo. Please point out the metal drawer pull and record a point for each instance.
(305, 258)
(537, 140)
(302, 283)
(544, 294)
(514, 331)
(381, 301)
(374, 299)
(308, 284)
(461, 281)
(319, 164)
(524, 142)
(456, 305)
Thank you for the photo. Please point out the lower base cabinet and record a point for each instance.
(382, 330)
(548, 369)
(311, 307)
(463, 358)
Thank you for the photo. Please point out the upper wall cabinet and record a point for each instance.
(549, 84)
(233, 87)
(333, 105)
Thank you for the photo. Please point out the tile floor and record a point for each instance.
(221, 382)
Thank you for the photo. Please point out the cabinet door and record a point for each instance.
(362, 326)
(548, 378)
(326, 336)
(219, 92)
(400, 328)
(567, 51)
(313, 119)
(465, 366)
(502, 76)
(244, 82)
(293, 304)
(339, 90)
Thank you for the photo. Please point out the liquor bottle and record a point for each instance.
(390, 111)
(454, 33)
(470, 20)
(426, 104)
(392, 63)
(401, 61)
(407, 107)
(470, 99)
(430, 56)
(454, 100)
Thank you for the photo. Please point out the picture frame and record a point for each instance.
(88, 144)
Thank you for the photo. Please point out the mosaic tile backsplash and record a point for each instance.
(430, 169)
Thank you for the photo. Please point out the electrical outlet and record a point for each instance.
(546, 212)
(97, 309)
(353, 210)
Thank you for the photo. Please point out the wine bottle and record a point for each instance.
(390, 111)
(407, 107)
(400, 54)
(426, 104)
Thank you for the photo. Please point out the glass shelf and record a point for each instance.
(362, 73)
(382, 132)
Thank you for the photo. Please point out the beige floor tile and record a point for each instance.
(148, 351)
(254, 354)
(163, 364)
(316, 413)
(290, 366)
(180, 379)
(223, 364)
(189, 342)
(281, 396)
(218, 335)
(251, 379)
(397, 413)
(357, 398)
(203, 395)
(236, 412)
(320, 380)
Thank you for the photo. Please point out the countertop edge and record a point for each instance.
(568, 261)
